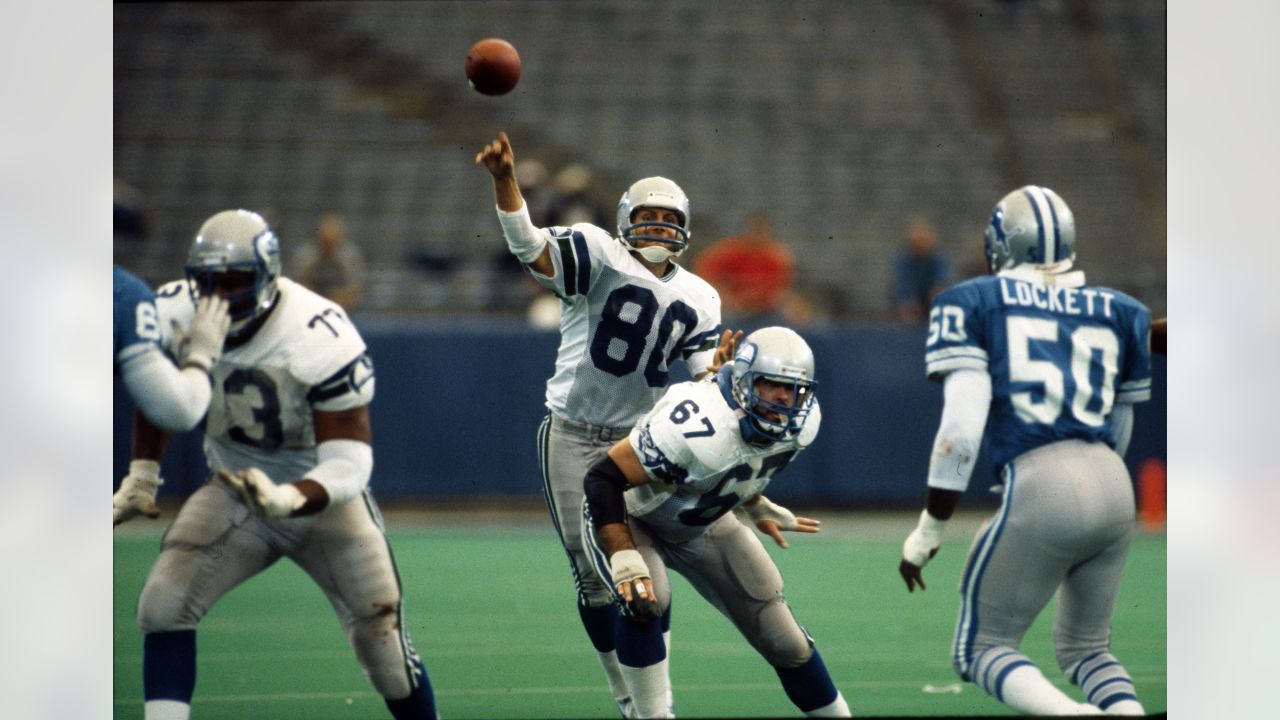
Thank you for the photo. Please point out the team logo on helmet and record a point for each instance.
(1030, 226)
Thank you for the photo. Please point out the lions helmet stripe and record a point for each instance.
(1035, 197)
(1057, 237)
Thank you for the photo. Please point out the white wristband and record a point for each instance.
(524, 240)
(343, 468)
(931, 527)
(627, 565)
(924, 540)
(766, 509)
(145, 475)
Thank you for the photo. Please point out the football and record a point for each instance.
(493, 66)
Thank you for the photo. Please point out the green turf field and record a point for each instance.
(490, 609)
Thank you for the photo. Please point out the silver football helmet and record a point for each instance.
(236, 242)
(780, 355)
(1030, 226)
(654, 192)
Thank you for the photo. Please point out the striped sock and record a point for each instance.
(1106, 684)
(1010, 677)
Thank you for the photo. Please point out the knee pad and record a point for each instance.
(163, 608)
(388, 658)
(779, 638)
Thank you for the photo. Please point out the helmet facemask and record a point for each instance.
(777, 355)
(789, 418)
(661, 193)
(237, 256)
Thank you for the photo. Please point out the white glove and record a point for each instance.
(201, 344)
(137, 493)
(766, 509)
(923, 542)
(264, 498)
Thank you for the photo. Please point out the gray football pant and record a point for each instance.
(729, 567)
(566, 451)
(1064, 526)
(215, 544)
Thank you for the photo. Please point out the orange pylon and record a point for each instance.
(1151, 494)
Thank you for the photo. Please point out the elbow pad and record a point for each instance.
(964, 417)
(343, 470)
(524, 240)
(604, 486)
(173, 400)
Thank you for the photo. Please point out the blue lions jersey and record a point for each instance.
(1060, 355)
(134, 318)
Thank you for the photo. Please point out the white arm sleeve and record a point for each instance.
(173, 400)
(344, 468)
(967, 395)
(524, 240)
(1122, 416)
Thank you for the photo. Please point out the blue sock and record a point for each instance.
(169, 665)
(809, 686)
(421, 703)
(640, 644)
(598, 622)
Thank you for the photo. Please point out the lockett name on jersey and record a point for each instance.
(1056, 298)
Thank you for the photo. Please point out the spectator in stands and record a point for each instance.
(129, 214)
(754, 273)
(921, 271)
(332, 265)
(572, 201)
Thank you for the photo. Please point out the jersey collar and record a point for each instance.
(1072, 279)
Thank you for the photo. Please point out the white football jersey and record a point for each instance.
(306, 355)
(621, 328)
(699, 466)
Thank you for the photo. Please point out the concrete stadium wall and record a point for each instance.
(457, 407)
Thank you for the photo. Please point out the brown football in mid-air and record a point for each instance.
(493, 66)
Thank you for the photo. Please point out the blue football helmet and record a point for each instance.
(779, 355)
(654, 192)
(1030, 226)
(236, 242)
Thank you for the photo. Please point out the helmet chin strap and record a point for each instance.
(657, 253)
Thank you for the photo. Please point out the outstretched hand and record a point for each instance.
(725, 349)
(774, 530)
(911, 573)
(497, 157)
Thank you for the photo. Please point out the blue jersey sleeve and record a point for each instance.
(957, 337)
(135, 323)
(1134, 384)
